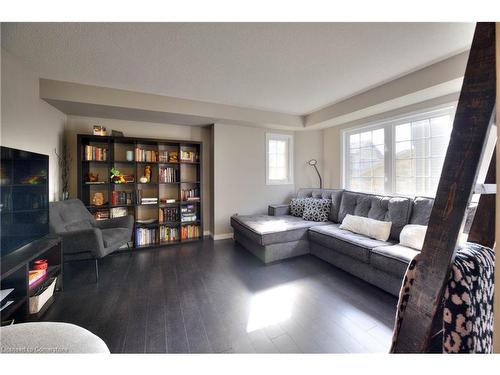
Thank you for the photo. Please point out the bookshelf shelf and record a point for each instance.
(185, 179)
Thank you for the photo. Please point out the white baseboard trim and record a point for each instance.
(223, 236)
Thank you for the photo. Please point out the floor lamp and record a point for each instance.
(313, 163)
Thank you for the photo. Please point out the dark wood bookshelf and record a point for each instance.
(116, 148)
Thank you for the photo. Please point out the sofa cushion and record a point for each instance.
(392, 259)
(421, 210)
(317, 209)
(354, 245)
(334, 194)
(393, 209)
(115, 236)
(266, 230)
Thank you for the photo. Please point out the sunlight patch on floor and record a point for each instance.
(271, 306)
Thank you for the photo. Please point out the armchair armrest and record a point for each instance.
(278, 209)
(83, 240)
(117, 222)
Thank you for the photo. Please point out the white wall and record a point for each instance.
(29, 123)
(240, 172)
(84, 125)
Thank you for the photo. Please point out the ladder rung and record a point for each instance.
(485, 189)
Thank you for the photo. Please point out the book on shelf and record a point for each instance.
(168, 200)
(190, 232)
(188, 213)
(101, 215)
(94, 153)
(169, 234)
(168, 214)
(169, 175)
(95, 182)
(122, 197)
(190, 193)
(149, 200)
(149, 156)
(118, 212)
(145, 236)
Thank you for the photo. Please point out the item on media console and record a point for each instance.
(99, 130)
(40, 264)
(98, 199)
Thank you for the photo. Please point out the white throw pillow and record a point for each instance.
(413, 236)
(380, 230)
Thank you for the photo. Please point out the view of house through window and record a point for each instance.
(400, 157)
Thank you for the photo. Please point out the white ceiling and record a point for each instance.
(285, 67)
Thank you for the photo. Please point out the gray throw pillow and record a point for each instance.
(317, 209)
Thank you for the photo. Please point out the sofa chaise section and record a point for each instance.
(272, 238)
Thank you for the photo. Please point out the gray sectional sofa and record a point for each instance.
(279, 235)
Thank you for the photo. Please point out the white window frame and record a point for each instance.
(289, 139)
(389, 126)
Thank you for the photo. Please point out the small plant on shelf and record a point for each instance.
(117, 177)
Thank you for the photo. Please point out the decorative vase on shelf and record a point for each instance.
(130, 155)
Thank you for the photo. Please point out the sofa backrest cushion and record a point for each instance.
(421, 210)
(394, 209)
(334, 194)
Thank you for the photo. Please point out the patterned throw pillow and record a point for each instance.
(317, 209)
(297, 206)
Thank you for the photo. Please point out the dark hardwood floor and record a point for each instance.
(217, 297)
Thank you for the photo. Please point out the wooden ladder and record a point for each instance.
(474, 116)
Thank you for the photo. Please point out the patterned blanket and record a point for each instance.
(467, 306)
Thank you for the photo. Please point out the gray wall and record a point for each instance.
(29, 123)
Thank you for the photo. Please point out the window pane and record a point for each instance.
(378, 152)
(281, 147)
(404, 168)
(378, 168)
(441, 126)
(366, 154)
(420, 129)
(405, 186)
(378, 137)
(366, 139)
(403, 150)
(436, 166)
(378, 185)
(355, 169)
(354, 141)
(422, 168)
(355, 155)
(439, 146)
(421, 148)
(403, 132)
(365, 184)
(421, 185)
(365, 169)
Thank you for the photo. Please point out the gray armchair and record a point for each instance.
(83, 234)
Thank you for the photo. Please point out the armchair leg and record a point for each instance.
(96, 270)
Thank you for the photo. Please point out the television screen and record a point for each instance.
(24, 198)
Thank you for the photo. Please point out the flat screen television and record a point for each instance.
(24, 198)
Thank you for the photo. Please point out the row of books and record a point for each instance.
(122, 197)
(188, 213)
(168, 214)
(149, 200)
(169, 157)
(168, 234)
(169, 174)
(190, 231)
(95, 153)
(146, 155)
(189, 156)
(190, 193)
(145, 236)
